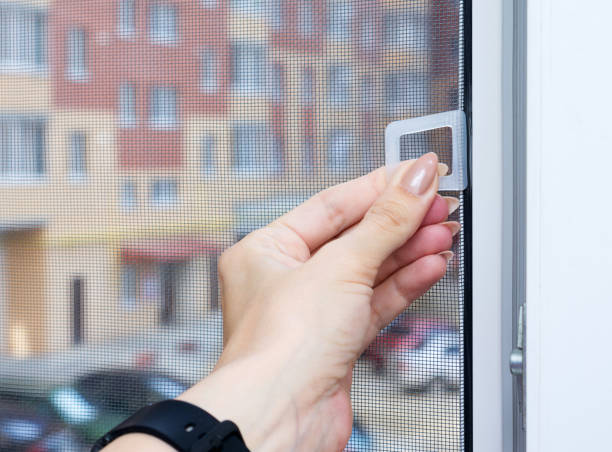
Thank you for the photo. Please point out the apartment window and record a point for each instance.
(163, 112)
(207, 154)
(163, 193)
(340, 17)
(339, 84)
(307, 87)
(129, 197)
(22, 147)
(406, 30)
(163, 23)
(406, 91)
(278, 82)
(130, 292)
(368, 33)
(306, 21)
(366, 96)
(308, 157)
(208, 71)
(339, 148)
(249, 66)
(209, 3)
(23, 37)
(275, 13)
(127, 105)
(78, 59)
(249, 6)
(76, 158)
(127, 25)
(255, 149)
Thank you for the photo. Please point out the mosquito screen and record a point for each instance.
(141, 138)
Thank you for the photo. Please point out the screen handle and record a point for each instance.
(457, 180)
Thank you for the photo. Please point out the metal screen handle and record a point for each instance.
(457, 180)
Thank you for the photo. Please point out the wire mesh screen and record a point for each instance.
(139, 139)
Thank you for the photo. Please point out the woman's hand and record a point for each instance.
(304, 296)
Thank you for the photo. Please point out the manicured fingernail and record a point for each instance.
(454, 226)
(453, 203)
(421, 174)
(448, 255)
(442, 169)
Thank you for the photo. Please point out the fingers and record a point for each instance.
(395, 216)
(396, 293)
(331, 211)
(427, 240)
(440, 209)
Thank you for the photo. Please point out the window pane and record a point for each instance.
(163, 193)
(249, 67)
(209, 70)
(127, 107)
(163, 23)
(207, 157)
(22, 147)
(77, 155)
(23, 37)
(127, 26)
(129, 199)
(77, 55)
(163, 107)
(339, 22)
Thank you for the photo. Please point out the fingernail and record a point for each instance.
(453, 203)
(454, 226)
(421, 174)
(442, 169)
(448, 255)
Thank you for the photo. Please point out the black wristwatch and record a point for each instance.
(182, 425)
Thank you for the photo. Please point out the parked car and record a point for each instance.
(360, 440)
(96, 402)
(27, 428)
(418, 351)
(436, 359)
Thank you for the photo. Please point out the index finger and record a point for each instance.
(328, 213)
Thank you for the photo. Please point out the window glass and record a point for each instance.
(127, 106)
(339, 149)
(209, 71)
(307, 87)
(339, 22)
(22, 146)
(23, 37)
(207, 156)
(78, 65)
(129, 199)
(163, 23)
(163, 107)
(127, 26)
(306, 18)
(339, 80)
(77, 168)
(163, 193)
(406, 29)
(255, 149)
(249, 66)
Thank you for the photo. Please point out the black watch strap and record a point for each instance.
(182, 425)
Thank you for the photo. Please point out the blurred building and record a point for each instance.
(138, 138)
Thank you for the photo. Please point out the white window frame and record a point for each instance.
(167, 199)
(254, 69)
(18, 25)
(77, 54)
(164, 23)
(491, 211)
(163, 107)
(17, 131)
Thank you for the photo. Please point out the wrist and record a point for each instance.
(253, 395)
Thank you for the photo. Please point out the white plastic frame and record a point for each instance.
(457, 180)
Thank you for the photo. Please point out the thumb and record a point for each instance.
(395, 216)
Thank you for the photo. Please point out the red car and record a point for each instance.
(407, 332)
